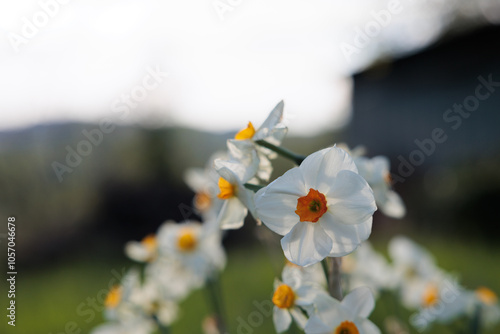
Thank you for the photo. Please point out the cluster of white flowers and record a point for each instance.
(323, 208)
(434, 295)
(181, 257)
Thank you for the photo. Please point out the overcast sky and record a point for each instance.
(228, 61)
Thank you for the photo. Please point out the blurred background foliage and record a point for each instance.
(70, 234)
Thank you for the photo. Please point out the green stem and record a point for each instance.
(253, 187)
(476, 321)
(334, 281)
(215, 296)
(297, 158)
(163, 329)
(326, 271)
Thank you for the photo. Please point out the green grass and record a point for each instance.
(55, 300)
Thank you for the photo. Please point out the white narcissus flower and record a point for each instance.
(322, 208)
(290, 298)
(376, 172)
(487, 302)
(422, 284)
(272, 130)
(203, 181)
(156, 302)
(122, 311)
(313, 274)
(174, 279)
(144, 250)
(237, 199)
(198, 247)
(366, 267)
(346, 317)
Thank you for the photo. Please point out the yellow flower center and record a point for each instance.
(246, 133)
(430, 296)
(284, 297)
(227, 190)
(346, 327)
(150, 242)
(202, 201)
(114, 296)
(486, 296)
(187, 241)
(311, 207)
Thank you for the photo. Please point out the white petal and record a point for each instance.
(359, 302)
(282, 319)
(350, 200)
(321, 168)
(393, 206)
(137, 251)
(307, 243)
(232, 215)
(367, 327)
(276, 203)
(277, 135)
(381, 165)
(265, 167)
(196, 179)
(307, 293)
(315, 326)
(346, 238)
(329, 309)
(275, 117)
(299, 317)
(237, 171)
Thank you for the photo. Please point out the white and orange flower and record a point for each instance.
(237, 200)
(291, 298)
(196, 246)
(322, 208)
(376, 172)
(346, 317)
(273, 130)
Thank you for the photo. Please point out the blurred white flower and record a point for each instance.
(272, 130)
(144, 250)
(122, 311)
(322, 208)
(157, 303)
(421, 283)
(366, 267)
(376, 172)
(197, 247)
(410, 261)
(347, 317)
(203, 181)
(174, 280)
(313, 274)
(237, 199)
(291, 297)
(487, 305)
(131, 326)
